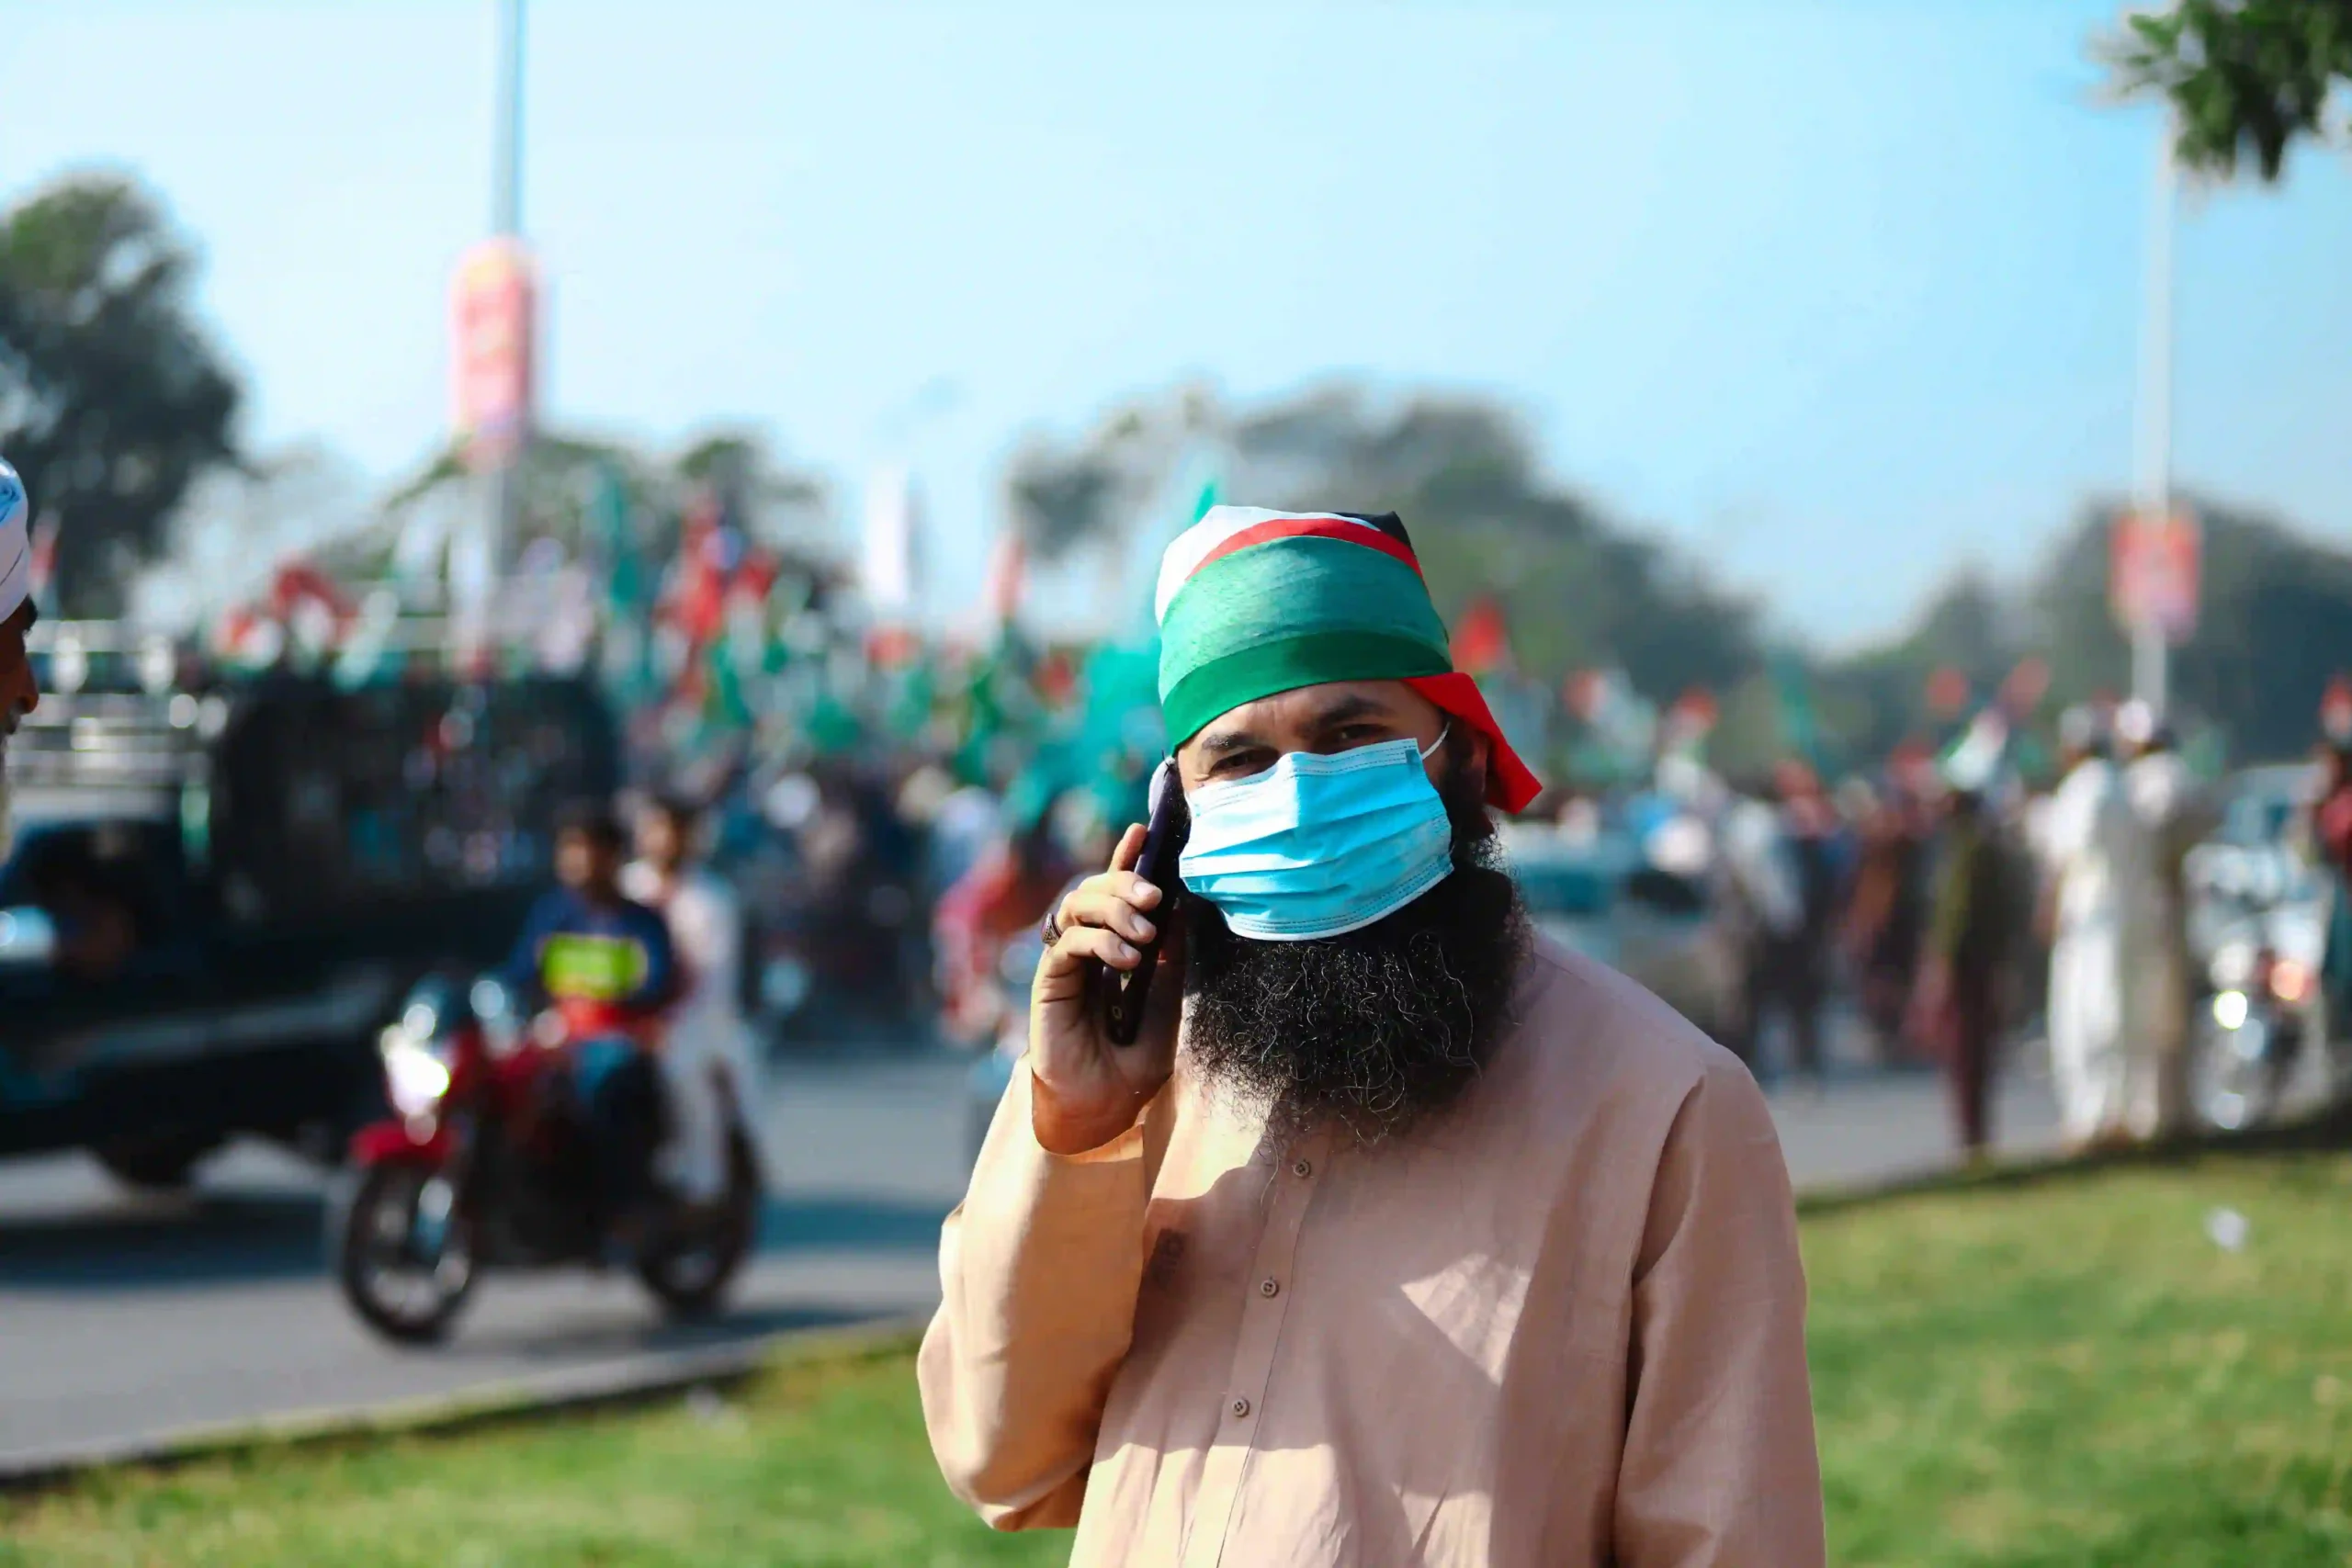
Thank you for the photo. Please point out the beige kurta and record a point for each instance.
(1562, 1324)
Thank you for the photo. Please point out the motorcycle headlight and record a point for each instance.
(416, 1069)
(2230, 1010)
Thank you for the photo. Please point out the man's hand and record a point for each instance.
(1088, 1091)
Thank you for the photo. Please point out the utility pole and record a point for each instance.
(506, 222)
(2152, 468)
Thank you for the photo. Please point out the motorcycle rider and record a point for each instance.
(604, 965)
(707, 1035)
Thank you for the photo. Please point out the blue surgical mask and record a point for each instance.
(1319, 845)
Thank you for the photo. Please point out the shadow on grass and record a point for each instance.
(2326, 1131)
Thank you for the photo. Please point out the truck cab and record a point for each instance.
(218, 895)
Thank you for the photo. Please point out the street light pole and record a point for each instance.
(506, 222)
(2152, 476)
(506, 218)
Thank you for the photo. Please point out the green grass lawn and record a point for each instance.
(2066, 1373)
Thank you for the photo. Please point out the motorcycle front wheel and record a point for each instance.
(689, 1270)
(404, 1253)
(2234, 1076)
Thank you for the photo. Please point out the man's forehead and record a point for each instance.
(1309, 707)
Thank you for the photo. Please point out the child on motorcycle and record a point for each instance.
(603, 965)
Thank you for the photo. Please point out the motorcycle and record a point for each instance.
(485, 1164)
(2251, 1025)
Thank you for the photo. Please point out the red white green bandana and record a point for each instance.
(1252, 603)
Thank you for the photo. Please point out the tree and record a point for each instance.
(1575, 588)
(2244, 76)
(112, 403)
(237, 525)
(2274, 626)
(560, 475)
(1876, 698)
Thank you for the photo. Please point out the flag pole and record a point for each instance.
(2152, 478)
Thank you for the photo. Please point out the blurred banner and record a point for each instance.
(492, 308)
(2154, 573)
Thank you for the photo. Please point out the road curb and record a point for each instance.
(648, 1380)
(638, 1383)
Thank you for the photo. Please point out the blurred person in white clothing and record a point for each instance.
(706, 1037)
(2095, 911)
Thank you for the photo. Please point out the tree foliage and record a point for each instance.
(2276, 623)
(112, 403)
(2246, 78)
(559, 479)
(1579, 590)
(1575, 588)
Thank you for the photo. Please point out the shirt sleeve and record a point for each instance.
(1039, 1269)
(1719, 1466)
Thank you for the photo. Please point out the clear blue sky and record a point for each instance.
(1842, 294)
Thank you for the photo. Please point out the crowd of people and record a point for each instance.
(1954, 911)
(1959, 907)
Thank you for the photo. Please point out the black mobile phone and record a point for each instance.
(1125, 992)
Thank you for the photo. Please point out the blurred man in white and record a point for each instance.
(707, 1036)
(2097, 912)
(18, 692)
(2175, 815)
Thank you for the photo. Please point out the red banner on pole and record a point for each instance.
(2154, 571)
(492, 304)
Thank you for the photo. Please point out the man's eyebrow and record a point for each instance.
(1349, 708)
(1226, 742)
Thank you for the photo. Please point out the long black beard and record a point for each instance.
(1374, 1031)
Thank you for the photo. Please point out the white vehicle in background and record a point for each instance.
(1603, 896)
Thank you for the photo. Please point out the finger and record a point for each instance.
(1134, 889)
(1068, 957)
(1097, 906)
(1130, 848)
(1123, 886)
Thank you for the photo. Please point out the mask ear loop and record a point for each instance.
(1438, 742)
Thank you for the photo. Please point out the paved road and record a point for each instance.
(125, 1319)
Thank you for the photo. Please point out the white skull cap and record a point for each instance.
(2135, 723)
(15, 542)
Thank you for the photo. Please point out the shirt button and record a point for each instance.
(1269, 1287)
(1302, 1169)
(1241, 1408)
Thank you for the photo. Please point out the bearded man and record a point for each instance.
(1400, 1236)
(19, 693)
